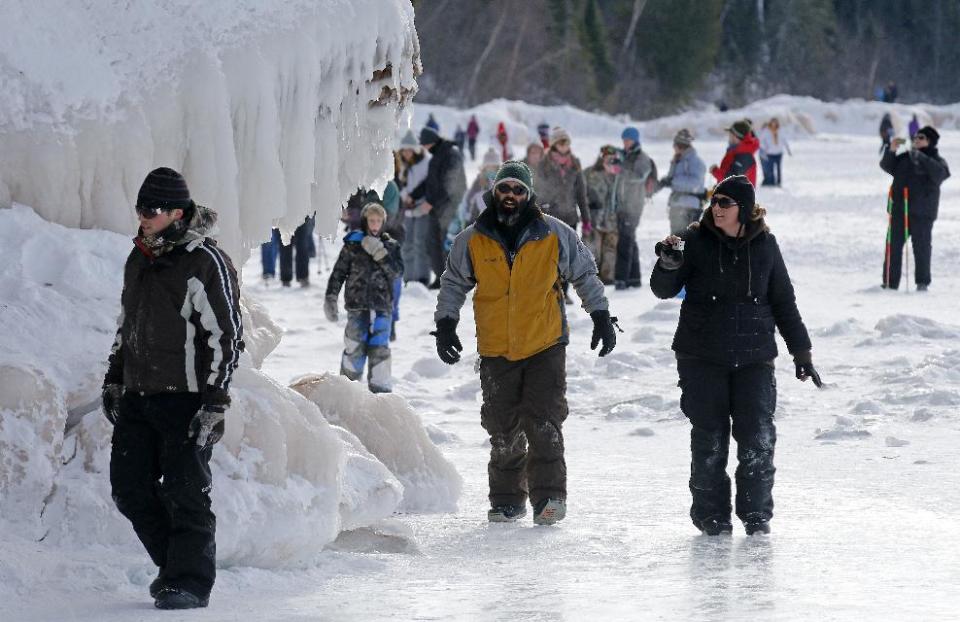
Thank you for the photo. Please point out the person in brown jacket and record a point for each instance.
(561, 188)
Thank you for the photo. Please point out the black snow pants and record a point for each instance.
(712, 395)
(627, 267)
(525, 402)
(300, 241)
(161, 482)
(921, 239)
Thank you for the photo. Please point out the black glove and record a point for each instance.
(805, 369)
(448, 344)
(111, 395)
(603, 331)
(670, 258)
(207, 425)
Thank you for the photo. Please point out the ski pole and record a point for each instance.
(906, 237)
(888, 253)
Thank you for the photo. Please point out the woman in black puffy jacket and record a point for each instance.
(737, 292)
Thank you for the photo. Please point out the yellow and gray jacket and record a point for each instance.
(518, 306)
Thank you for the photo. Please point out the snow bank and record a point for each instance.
(390, 429)
(799, 117)
(271, 110)
(286, 482)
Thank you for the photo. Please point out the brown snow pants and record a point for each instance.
(524, 402)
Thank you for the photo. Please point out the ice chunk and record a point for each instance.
(392, 432)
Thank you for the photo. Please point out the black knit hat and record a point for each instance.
(933, 136)
(739, 188)
(166, 189)
(429, 136)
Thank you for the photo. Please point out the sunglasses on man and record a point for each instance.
(722, 202)
(514, 189)
(148, 212)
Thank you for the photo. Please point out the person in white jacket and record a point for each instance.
(772, 146)
(412, 168)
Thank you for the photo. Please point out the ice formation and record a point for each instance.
(271, 110)
(390, 430)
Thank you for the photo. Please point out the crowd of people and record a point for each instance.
(520, 234)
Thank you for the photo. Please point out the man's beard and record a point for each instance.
(510, 215)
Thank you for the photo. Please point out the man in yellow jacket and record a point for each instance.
(517, 258)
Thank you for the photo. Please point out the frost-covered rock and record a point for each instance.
(271, 110)
(32, 418)
(391, 431)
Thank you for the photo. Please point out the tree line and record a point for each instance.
(649, 57)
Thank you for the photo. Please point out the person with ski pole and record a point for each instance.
(738, 293)
(917, 176)
(518, 258)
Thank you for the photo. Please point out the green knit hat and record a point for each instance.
(514, 170)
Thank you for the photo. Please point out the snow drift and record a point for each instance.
(390, 429)
(799, 117)
(271, 110)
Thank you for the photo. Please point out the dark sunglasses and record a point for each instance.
(148, 212)
(516, 190)
(722, 202)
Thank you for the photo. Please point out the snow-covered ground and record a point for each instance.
(866, 515)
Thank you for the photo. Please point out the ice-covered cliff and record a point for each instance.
(271, 109)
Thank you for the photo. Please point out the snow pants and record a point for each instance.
(603, 245)
(712, 395)
(161, 482)
(682, 217)
(415, 249)
(921, 239)
(302, 242)
(525, 402)
(367, 336)
(627, 269)
(438, 225)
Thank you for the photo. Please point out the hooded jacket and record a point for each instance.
(446, 180)
(739, 160)
(561, 190)
(685, 180)
(638, 169)
(738, 292)
(922, 177)
(180, 325)
(369, 283)
(518, 306)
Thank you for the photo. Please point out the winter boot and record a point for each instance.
(757, 528)
(549, 511)
(619, 285)
(714, 526)
(156, 586)
(506, 513)
(173, 598)
(435, 284)
(922, 287)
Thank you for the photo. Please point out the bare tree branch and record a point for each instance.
(491, 43)
(638, 6)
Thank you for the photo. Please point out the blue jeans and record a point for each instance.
(268, 254)
(771, 169)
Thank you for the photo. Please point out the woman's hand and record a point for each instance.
(670, 252)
